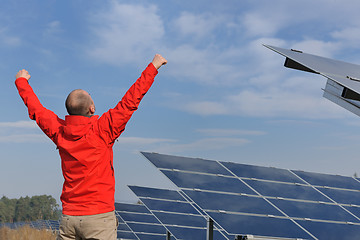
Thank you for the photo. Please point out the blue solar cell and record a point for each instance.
(132, 217)
(192, 233)
(259, 226)
(207, 182)
(143, 236)
(123, 227)
(119, 218)
(159, 193)
(126, 235)
(354, 210)
(319, 179)
(180, 219)
(266, 173)
(293, 191)
(136, 208)
(39, 224)
(312, 210)
(54, 224)
(180, 207)
(185, 163)
(147, 228)
(332, 231)
(227, 202)
(342, 196)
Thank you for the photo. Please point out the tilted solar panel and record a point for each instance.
(344, 73)
(267, 202)
(343, 79)
(176, 213)
(136, 222)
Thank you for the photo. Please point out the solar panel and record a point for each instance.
(54, 224)
(262, 173)
(123, 230)
(136, 222)
(40, 224)
(184, 163)
(207, 182)
(345, 73)
(343, 84)
(334, 181)
(176, 213)
(285, 190)
(267, 202)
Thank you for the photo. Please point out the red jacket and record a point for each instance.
(85, 146)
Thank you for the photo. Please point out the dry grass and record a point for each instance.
(26, 233)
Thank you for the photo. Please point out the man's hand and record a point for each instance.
(158, 61)
(23, 73)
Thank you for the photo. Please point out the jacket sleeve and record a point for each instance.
(113, 122)
(48, 121)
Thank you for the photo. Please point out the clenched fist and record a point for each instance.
(158, 61)
(23, 73)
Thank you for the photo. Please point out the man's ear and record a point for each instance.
(92, 110)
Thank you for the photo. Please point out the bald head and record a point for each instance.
(79, 102)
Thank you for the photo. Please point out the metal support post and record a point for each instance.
(239, 237)
(210, 229)
(168, 235)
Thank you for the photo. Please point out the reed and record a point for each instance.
(26, 233)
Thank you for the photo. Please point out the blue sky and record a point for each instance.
(221, 96)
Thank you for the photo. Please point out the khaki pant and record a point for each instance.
(91, 227)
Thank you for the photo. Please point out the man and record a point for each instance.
(85, 141)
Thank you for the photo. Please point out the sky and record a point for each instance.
(222, 95)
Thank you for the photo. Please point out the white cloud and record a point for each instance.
(206, 108)
(125, 33)
(348, 35)
(18, 124)
(318, 47)
(259, 24)
(23, 138)
(53, 28)
(208, 65)
(251, 78)
(205, 144)
(142, 141)
(8, 39)
(198, 26)
(21, 132)
(218, 140)
(277, 103)
(269, 103)
(230, 132)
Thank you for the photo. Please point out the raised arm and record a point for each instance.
(113, 122)
(46, 119)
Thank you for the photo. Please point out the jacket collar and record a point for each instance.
(79, 120)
